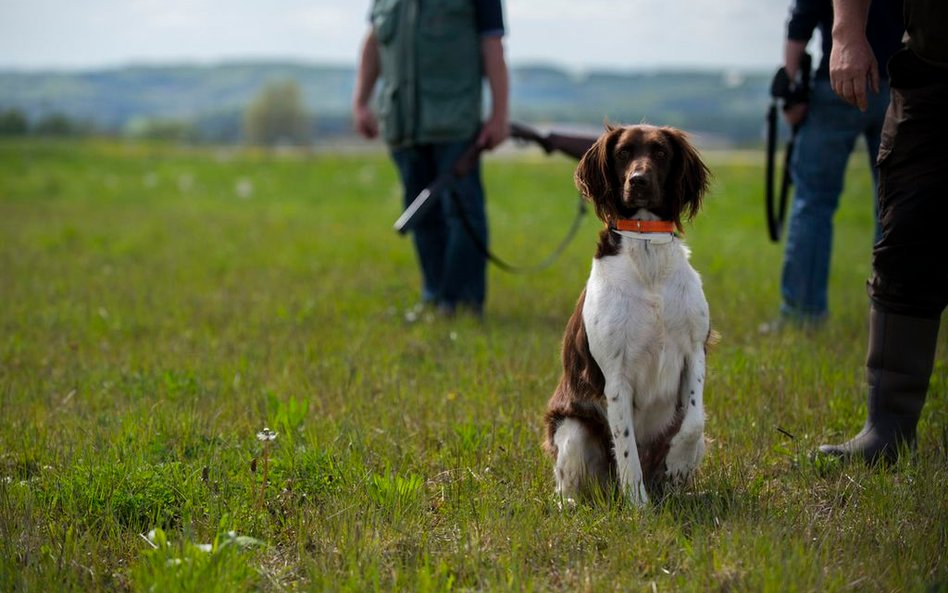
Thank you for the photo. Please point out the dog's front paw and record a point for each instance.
(566, 503)
(636, 495)
(684, 455)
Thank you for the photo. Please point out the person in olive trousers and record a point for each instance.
(909, 284)
(432, 58)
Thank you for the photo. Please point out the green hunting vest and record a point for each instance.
(430, 68)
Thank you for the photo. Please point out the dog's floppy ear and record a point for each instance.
(689, 179)
(595, 176)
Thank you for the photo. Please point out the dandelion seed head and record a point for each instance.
(266, 434)
(243, 187)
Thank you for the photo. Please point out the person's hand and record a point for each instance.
(495, 130)
(795, 114)
(364, 121)
(853, 67)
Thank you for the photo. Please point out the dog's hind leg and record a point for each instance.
(581, 462)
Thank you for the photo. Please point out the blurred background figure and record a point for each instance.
(432, 58)
(829, 128)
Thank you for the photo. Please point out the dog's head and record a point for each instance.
(635, 167)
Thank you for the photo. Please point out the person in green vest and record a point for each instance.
(431, 57)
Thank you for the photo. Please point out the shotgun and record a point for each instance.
(569, 144)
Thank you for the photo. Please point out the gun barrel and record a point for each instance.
(571, 145)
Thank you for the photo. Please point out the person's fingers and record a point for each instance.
(849, 91)
(795, 114)
(483, 138)
(861, 91)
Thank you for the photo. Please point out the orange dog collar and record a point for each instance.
(645, 226)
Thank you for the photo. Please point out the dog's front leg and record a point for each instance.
(619, 410)
(687, 447)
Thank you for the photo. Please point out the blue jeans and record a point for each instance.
(453, 269)
(818, 166)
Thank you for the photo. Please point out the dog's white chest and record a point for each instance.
(644, 312)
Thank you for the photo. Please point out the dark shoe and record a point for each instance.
(792, 320)
(898, 367)
(451, 310)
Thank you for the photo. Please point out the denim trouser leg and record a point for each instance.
(453, 269)
(417, 170)
(465, 266)
(818, 166)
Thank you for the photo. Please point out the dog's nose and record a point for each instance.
(638, 179)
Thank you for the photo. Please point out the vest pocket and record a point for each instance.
(449, 111)
(389, 114)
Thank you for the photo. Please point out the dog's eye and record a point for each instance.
(623, 153)
(660, 154)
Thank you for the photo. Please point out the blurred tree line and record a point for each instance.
(277, 116)
(272, 103)
(13, 122)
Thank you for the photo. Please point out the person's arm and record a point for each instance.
(804, 17)
(362, 117)
(792, 56)
(852, 63)
(496, 128)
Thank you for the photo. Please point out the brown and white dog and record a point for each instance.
(629, 402)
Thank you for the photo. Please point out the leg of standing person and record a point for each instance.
(464, 282)
(818, 166)
(418, 168)
(909, 285)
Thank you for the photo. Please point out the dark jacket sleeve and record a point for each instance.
(805, 15)
(490, 17)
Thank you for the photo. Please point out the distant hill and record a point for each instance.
(724, 106)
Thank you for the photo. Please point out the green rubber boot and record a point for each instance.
(898, 367)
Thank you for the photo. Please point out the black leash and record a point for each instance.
(510, 268)
(777, 209)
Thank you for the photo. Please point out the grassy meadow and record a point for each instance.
(160, 306)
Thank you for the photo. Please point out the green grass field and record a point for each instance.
(160, 306)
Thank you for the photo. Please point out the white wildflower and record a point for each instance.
(243, 188)
(266, 434)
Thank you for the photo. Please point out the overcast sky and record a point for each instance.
(579, 34)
